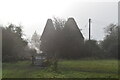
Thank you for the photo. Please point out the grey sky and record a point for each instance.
(33, 14)
(101, 13)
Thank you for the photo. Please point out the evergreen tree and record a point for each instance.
(35, 42)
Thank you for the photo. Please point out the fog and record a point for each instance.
(33, 14)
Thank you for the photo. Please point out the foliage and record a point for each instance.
(92, 49)
(67, 69)
(13, 44)
(110, 43)
(64, 39)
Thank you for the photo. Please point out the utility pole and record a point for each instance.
(89, 28)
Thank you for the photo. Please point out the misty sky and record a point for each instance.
(33, 14)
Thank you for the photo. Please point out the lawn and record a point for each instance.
(66, 69)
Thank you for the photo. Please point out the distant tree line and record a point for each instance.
(62, 39)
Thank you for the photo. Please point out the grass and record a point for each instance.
(67, 69)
